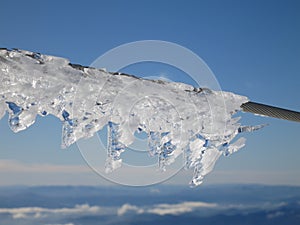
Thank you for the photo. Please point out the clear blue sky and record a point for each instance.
(251, 46)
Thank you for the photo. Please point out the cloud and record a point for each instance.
(154, 191)
(203, 209)
(288, 177)
(129, 208)
(181, 208)
(275, 215)
(61, 224)
(165, 209)
(7, 166)
(19, 215)
(13, 172)
(38, 212)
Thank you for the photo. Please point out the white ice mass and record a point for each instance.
(178, 118)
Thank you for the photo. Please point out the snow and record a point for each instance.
(178, 118)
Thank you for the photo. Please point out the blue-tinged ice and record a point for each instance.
(14, 108)
(68, 136)
(251, 128)
(14, 115)
(65, 115)
(161, 145)
(115, 148)
(44, 113)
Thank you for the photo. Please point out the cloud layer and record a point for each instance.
(13, 172)
(203, 209)
(7, 166)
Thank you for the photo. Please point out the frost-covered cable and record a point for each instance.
(178, 118)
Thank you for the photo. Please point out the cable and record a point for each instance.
(267, 110)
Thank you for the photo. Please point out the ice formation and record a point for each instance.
(178, 118)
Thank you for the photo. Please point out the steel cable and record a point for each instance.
(271, 111)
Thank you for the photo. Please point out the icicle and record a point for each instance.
(115, 148)
(160, 144)
(68, 135)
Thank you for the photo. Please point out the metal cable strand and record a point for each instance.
(271, 111)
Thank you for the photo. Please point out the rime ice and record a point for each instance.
(178, 118)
